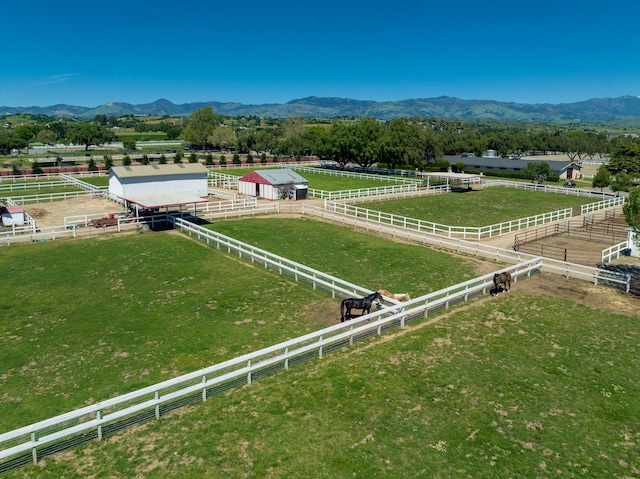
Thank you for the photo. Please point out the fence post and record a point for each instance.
(249, 373)
(34, 452)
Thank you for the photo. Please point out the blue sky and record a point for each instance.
(90, 53)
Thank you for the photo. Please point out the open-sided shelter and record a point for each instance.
(277, 184)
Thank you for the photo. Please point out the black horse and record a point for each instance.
(357, 303)
(502, 279)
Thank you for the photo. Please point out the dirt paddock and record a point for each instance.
(53, 213)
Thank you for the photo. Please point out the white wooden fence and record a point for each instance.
(51, 197)
(610, 202)
(466, 232)
(29, 186)
(613, 252)
(363, 192)
(547, 188)
(83, 184)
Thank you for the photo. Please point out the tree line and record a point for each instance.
(414, 143)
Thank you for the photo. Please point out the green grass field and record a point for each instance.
(91, 319)
(520, 385)
(479, 208)
(501, 389)
(357, 257)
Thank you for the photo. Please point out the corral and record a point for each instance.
(576, 241)
(369, 268)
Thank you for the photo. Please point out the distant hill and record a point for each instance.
(596, 110)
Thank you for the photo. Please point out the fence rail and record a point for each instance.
(465, 232)
(32, 185)
(51, 197)
(601, 205)
(363, 192)
(548, 189)
(82, 184)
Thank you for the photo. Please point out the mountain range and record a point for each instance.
(596, 110)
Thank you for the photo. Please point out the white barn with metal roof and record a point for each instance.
(131, 181)
(279, 184)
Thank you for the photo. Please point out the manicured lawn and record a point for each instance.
(502, 389)
(479, 208)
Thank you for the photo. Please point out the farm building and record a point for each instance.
(566, 170)
(12, 215)
(274, 184)
(156, 186)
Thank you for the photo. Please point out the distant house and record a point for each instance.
(566, 170)
(282, 183)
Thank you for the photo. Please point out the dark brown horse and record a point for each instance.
(502, 279)
(357, 303)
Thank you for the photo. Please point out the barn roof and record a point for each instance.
(172, 169)
(508, 163)
(14, 209)
(281, 176)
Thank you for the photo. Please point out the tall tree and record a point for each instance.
(200, 125)
(88, 133)
(222, 137)
(602, 178)
(537, 171)
(625, 157)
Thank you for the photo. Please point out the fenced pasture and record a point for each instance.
(493, 390)
(480, 207)
(85, 321)
(357, 257)
(98, 309)
(373, 446)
